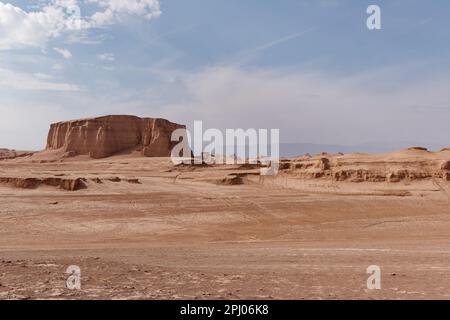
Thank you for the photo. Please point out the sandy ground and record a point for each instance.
(178, 234)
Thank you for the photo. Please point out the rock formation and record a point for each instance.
(6, 154)
(105, 136)
(407, 165)
(69, 184)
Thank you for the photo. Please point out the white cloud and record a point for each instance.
(317, 107)
(114, 10)
(32, 82)
(43, 76)
(20, 29)
(64, 52)
(57, 67)
(106, 57)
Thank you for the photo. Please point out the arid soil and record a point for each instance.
(142, 228)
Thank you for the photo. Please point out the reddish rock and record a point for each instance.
(105, 136)
(445, 165)
(32, 183)
(73, 184)
(6, 154)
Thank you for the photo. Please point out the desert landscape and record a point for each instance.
(105, 196)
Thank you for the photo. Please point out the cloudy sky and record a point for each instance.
(308, 67)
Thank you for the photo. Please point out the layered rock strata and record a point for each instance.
(105, 136)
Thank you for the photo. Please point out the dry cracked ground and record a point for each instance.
(145, 229)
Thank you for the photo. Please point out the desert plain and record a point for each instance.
(146, 228)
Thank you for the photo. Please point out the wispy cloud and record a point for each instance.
(57, 66)
(34, 82)
(248, 55)
(43, 76)
(106, 57)
(317, 107)
(280, 41)
(64, 52)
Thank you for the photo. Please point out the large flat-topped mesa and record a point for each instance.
(105, 136)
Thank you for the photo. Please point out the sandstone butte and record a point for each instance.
(108, 135)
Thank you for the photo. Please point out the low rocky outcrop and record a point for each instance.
(6, 154)
(64, 183)
(105, 136)
(392, 168)
(69, 184)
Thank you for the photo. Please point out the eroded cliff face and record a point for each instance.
(105, 136)
(407, 166)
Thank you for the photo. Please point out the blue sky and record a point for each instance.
(310, 68)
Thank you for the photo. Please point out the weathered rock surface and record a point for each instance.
(64, 183)
(407, 165)
(6, 154)
(105, 136)
(69, 184)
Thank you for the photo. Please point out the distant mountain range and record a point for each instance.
(295, 149)
(291, 150)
